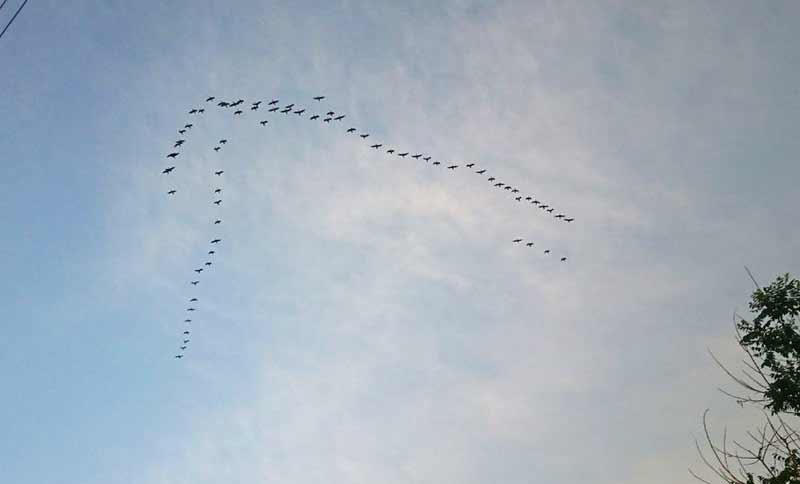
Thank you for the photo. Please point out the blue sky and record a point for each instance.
(367, 319)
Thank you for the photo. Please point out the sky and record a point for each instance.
(367, 318)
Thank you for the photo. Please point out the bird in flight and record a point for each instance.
(223, 104)
(417, 156)
(217, 202)
(185, 341)
(217, 148)
(188, 126)
(547, 251)
(209, 99)
(181, 131)
(427, 158)
(515, 191)
(319, 98)
(329, 113)
(273, 102)
(529, 244)
(263, 123)
(376, 146)
(299, 112)
(499, 184)
(365, 135)
(190, 309)
(208, 263)
(218, 190)
(568, 219)
(183, 347)
(351, 130)
(217, 222)
(470, 165)
(403, 155)
(201, 110)
(172, 192)
(550, 210)
(211, 252)
(186, 332)
(289, 106)
(194, 283)
(216, 241)
(223, 141)
(179, 142)
(238, 111)
(272, 110)
(519, 199)
(286, 110)
(179, 356)
(491, 178)
(187, 320)
(563, 259)
(561, 215)
(168, 170)
(481, 172)
(257, 103)
(194, 299)
(452, 167)
(390, 150)
(219, 173)
(199, 270)
(437, 162)
(316, 116)
(517, 241)
(327, 120)
(508, 187)
(339, 117)
(193, 111)
(173, 155)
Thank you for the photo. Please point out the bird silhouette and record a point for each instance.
(223, 104)
(194, 283)
(209, 99)
(498, 184)
(568, 219)
(193, 111)
(329, 113)
(173, 155)
(190, 309)
(339, 118)
(286, 110)
(217, 148)
(211, 252)
(199, 270)
(327, 120)
(219, 173)
(194, 299)
(437, 162)
(427, 158)
(272, 110)
(263, 123)
(561, 215)
(319, 98)
(376, 146)
(172, 192)
(188, 126)
(216, 241)
(563, 259)
(185, 341)
(481, 172)
(312, 118)
(217, 202)
(517, 241)
(529, 244)
(351, 130)
(299, 112)
(289, 106)
(390, 151)
(273, 102)
(183, 347)
(179, 356)
(223, 141)
(208, 263)
(187, 320)
(186, 332)
(452, 167)
(238, 111)
(168, 170)
(218, 190)
(417, 156)
(519, 199)
(491, 178)
(201, 110)
(547, 251)
(179, 142)
(365, 135)
(403, 155)
(181, 131)
(217, 222)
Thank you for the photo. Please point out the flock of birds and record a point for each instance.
(238, 109)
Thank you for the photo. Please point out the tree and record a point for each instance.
(771, 381)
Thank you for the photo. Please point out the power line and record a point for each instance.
(1, 4)
(12, 18)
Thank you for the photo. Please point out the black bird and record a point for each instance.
(508, 187)
(201, 110)
(272, 110)
(257, 103)
(185, 332)
(238, 111)
(568, 219)
(427, 158)
(199, 270)
(351, 130)
(194, 299)
(172, 192)
(211, 252)
(365, 135)
(327, 120)
(499, 184)
(194, 283)
(217, 202)
(208, 263)
(223, 141)
(190, 309)
(339, 118)
(417, 156)
(470, 165)
(403, 155)
(216, 241)
(550, 210)
(188, 126)
(528, 199)
(179, 356)
(491, 178)
(179, 142)
(216, 222)
(536, 202)
(218, 190)
(517, 241)
(329, 113)
(561, 215)
(187, 320)
(529, 244)
(390, 151)
(216, 148)
(223, 104)
(186, 341)
(376, 146)
(193, 111)
(183, 348)
(547, 251)
(286, 111)
(273, 102)
(210, 98)
(481, 172)
(299, 112)
(515, 191)
(263, 123)
(563, 259)
(452, 167)
(543, 206)
(519, 199)
(253, 108)
(218, 173)
(168, 170)
(173, 155)
(316, 116)
(437, 163)
(240, 101)
(289, 106)
(319, 98)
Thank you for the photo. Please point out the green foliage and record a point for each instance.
(790, 474)
(773, 337)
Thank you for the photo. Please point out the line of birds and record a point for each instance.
(329, 116)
